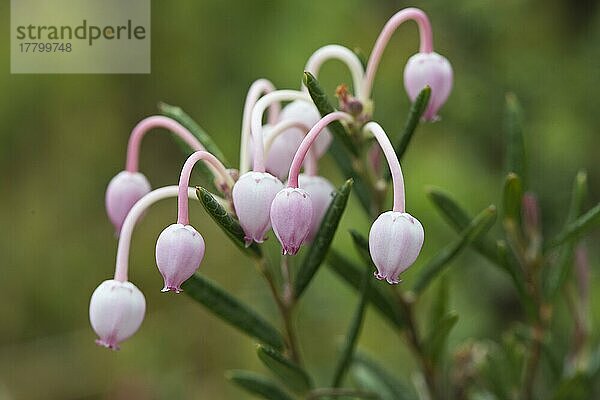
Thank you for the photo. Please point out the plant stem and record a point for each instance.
(285, 306)
(412, 335)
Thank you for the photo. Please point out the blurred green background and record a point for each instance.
(63, 137)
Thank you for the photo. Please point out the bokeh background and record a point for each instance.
(62, 137)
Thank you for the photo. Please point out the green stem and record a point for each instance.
(353, 332)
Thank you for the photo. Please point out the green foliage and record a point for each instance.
(318, 250)
(587, 221)
(231, 310)
(417, 109)
(478, 227)
(511, 201)
(258, 385)
(291, 375)
(226, 222)
(373, 377)
(435, 342)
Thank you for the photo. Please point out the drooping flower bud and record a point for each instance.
(281, 153)
(320, 191)
(308, 114)
(116, 312)
(291, 216)
(123, 191)
(252, 196)
(179, 252)
(433, 70)
(395, 241)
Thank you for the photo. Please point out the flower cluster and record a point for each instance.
(294, 138)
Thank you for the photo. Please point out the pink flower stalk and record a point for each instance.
(257, 89)
(117, 306)
(116, 312)
(425, 68)
(291, 216)
(180, 248)
(254, 192)
(320, 191)
(128, 186)
(396, 237)
(292, 210)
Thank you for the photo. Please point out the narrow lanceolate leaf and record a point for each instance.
(587, 221)
(459, 219)
(226, 222)
(417, 109)
(439, 304)
(258, 385)
(557, 274)
(356, 324)
(232, 310)
(478, 227)
(512, 198)
(292, 375)
(373, 377)
(515, 157)
(435, 342)
(379, 296)
(184, 119)
(324, 106)
(318, 250)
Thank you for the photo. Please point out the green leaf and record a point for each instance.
(512, 198)
(515, 161)
(439, 305)
(184, 119)
(324, 106)
(436, 340)
(231, 310)
(257, 385)
(226, 222)
(576, 387)
(357, 320)
(459, 219)
(373, 377)
(379, 296)
(318, 250)
(417, 109)
(292, 375)
(572, 231)
(477, 228)
(558, 273)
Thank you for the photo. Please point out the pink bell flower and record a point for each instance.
(123, 191)
(306, 113)
(179, 252)
(291, 216)
(116, 312)
(433, 70)
(395, 240)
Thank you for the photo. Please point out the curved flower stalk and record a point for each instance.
(117, 306)
(425, 68)
(180, 248)
(254, 192)
(396, 237)
(256, 90)
(292, 209)
(345, 55)
(128, 186)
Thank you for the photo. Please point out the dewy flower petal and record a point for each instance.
(395, 241)
(291, 216)
(433, 70)
(123, 191)
(116, 312)
(252, 196)
(308, 114)
(179, 252)
(320, 191)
